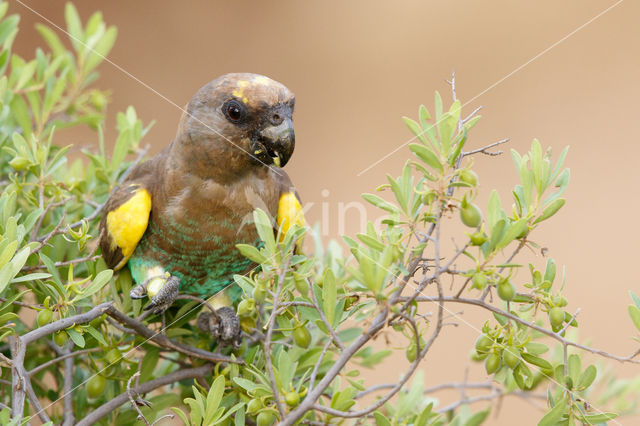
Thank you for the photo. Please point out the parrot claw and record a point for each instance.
(224, 325)
(138, 292)
(165, 297)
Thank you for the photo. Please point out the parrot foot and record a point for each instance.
(164, 297)
(224, 325)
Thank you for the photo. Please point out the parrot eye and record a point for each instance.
(234, 110)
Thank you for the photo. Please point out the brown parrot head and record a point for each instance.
(235, 123)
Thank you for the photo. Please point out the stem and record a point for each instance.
(121, 399)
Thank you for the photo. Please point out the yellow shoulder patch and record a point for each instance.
(289, 212)
(127, 224)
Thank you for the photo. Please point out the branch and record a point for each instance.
(485, 149)
(313, 395)
(68, 419)
(164, 341)
(267, 340)
(121, 399)
(553, 335)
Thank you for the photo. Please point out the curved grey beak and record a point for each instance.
(279, 140)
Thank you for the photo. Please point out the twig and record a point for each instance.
(68, 419)
(267, 340)
(164, 341)
(62, 358)
(121, 399)
(316, 368)
(470, 116)
(132, 398)
(482, 304)
(88, 258)
(484, 150)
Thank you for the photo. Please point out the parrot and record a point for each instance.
(176, 219)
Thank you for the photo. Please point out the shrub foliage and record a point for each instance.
(76, 348)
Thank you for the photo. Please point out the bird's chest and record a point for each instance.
(210, 214)
(194, 233)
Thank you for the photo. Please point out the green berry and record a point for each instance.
(511, 357)
(292, 399)
(302, 337)
(254, 406)
(266, 418)
(492, 363)
(44, 317)
(60, 338)
(483, 343)
(19, 163)
(556, 316)
(412, 351)
(113, 356)
(471, 215)
(506, 290)
(479, 280)
(259, 293)
(246, 306)
(468, 176)
(478, 238)
(96, 385)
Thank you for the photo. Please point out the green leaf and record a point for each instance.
(52, 39)
(477, 418)
(20, 113)
(497, 231)
(329, 296)
(587, 377)
(574, 367)
(381, 419)
(74, 26)
(11, 269)
(101, 49)
(552, 418)
(149, 362)
(98, 336)
(181, 414)
(76, 337)
(535, 348)
(513, 231)
(213, 398)
(415, 128)
(424, 115)
(371, 241)
(251, 252)
(8, 252)
(264, 226)
(635, 298)
(96, 285)
(634, 313)
(550, 210)
(381, 203)
(599, 418)
(540, 362)
(494, 212)
(438, 105)
(426, 155)
(550, 271)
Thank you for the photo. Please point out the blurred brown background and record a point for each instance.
(357, 67)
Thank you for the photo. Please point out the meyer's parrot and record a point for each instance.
(176, 219)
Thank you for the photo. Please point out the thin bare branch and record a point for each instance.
(485, 149)
(121, 399)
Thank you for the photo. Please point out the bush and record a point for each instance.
(79, 349)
